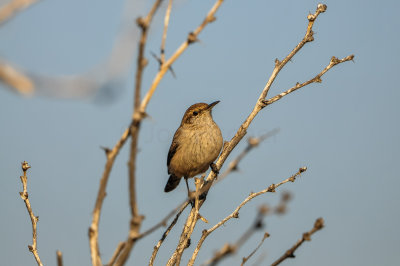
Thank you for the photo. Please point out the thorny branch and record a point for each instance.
(230, 145)
(235, 213)
(318, 225)
(34, 219)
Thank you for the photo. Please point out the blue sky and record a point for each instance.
(344, 129)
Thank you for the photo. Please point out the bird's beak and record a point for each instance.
(211, 105)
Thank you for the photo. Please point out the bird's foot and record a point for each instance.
(214, 168)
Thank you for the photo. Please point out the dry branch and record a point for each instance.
(136, 218)
(11, 9)
(318, 225)
(34, 219)
(164, 36)
(94, 227)
(16, 80)
(133, 131)
(229, 249)
(165, 234)
(59, 258)
(245, 259)
(230, 145)
(235, 213)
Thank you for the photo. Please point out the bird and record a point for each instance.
(195, 145)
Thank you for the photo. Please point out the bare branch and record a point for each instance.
(245, 259)
(229, 249)
(235, 213)
(94, 227)
(317, 79)
(34, 219)
(318, 225)
(165, 234)
(11, 9)
(230, 145)
(192, 37)
(59, 258)
(263, 211)
(164, 36)
(16, 80)
(136, 218)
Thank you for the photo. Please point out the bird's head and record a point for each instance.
(198, 114)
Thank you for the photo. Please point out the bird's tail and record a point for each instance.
(172, 183)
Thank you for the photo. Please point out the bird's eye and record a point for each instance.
(195, 113)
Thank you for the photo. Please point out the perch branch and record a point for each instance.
(230, 145)
(318, 225)
(34, 219)
(245, 259)
(235, 213)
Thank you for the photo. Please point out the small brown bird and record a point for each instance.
(196, 144)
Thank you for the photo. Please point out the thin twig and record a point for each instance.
(164, 36)
(59, 258)
(94, 227)
(230, 145)
(11, 9)
(317, 79)
(245, 259)
(165, 234)
(229, 249)
(263, 211)
(318, 225)
(235, 213)
(192, 37)
(34, 219)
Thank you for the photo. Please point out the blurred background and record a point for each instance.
(78, 57)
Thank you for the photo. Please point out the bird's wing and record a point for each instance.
(173, 148)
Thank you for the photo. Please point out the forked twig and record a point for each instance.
(34, 219)
(235, 213)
